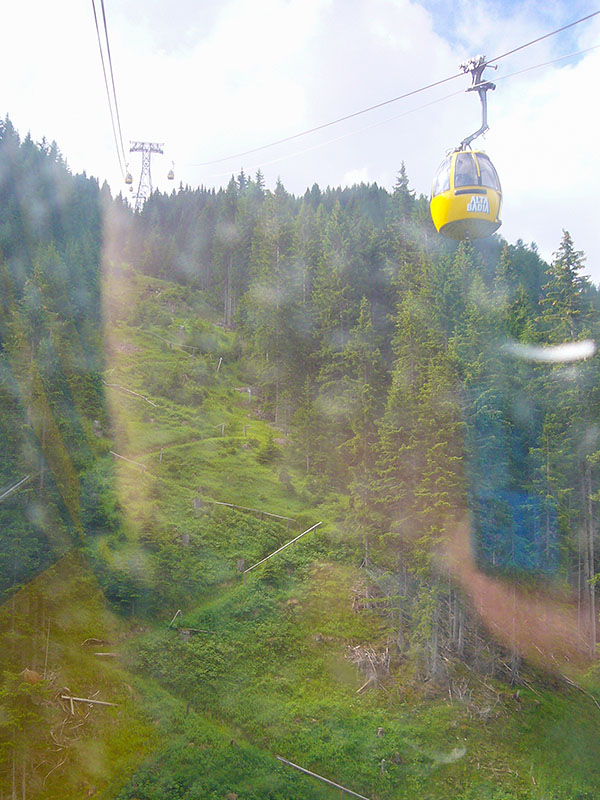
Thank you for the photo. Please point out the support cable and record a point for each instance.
(391, 100)
(396, 116)
(110, 108)
(545, 36)
(329, 124)
(112, 78)
(547, 63)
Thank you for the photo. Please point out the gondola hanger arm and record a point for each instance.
(476, 67)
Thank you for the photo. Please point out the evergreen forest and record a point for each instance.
(186, 389)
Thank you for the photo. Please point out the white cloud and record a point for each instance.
(544, 148)
(353, 176)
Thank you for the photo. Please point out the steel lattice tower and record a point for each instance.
(145, 185)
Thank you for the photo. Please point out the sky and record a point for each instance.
(214, 78)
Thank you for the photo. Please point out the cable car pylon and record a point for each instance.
(145, 185)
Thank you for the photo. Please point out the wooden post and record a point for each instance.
(129, 391)
(42, 452)
(46, 656)
(177, 614)
(160, 459)
(219, 364)
(222, 429)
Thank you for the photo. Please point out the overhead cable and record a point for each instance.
(546, 63)
(545, 36)
(318, 145)
(110, 104)
(391, 100)
(397, 116)
(112, 78)
(329, 124)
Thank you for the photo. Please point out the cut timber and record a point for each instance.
(171, 344)
(247, 508)
(129, 461)
(364, 686)
(85, 700)
(321, 778)
(193, 630)
(279, 549)
(107, 655)
(14, 487)
(185, 633)
(129, 391)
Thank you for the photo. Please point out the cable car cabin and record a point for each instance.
(466, 196)
(170, 175)
(128, 178)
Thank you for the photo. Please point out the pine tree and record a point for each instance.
(403, 198)
(563, 453)
(563, 305)
(271, 309)
(224, 247)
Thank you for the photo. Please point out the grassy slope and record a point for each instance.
(271, 675)
(274, 664)
(43, 628)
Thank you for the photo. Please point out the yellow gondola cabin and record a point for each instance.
(466, 196)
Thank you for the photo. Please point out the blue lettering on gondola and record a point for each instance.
(479, 204)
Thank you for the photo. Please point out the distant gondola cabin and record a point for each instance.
(466, 197)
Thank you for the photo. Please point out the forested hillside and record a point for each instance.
(416, 375)
(184, 390)
(51, 359)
